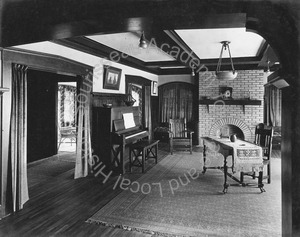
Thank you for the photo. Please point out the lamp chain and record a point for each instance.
(231, 59)
(224, 45)
(220, 59)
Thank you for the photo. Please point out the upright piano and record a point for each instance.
(110, 137)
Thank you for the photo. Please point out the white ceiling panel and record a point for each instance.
(206, 42)
(128, 43)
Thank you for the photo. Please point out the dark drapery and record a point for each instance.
(273, 106)
(17, 186)
(175, 101)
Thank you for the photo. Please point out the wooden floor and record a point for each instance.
(60, 205)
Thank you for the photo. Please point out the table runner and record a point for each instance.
(247, 157)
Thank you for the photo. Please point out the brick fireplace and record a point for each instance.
(230, 125)
(231, 118)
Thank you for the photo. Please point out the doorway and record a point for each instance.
(66, 117)
(43, 132)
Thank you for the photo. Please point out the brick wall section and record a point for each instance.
(247, 81)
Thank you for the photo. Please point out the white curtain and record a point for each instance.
(17, 189)
(84, 150)
(273, 106)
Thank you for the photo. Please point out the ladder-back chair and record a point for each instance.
(263, 138)
(180, 136)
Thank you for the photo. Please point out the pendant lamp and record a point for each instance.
(143, 43)
(225, 75)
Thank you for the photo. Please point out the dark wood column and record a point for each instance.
(287, 160)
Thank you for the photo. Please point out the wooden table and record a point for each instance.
(246, 157)
(141, 151)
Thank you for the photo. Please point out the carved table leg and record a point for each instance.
(130, 159)
(144, 150)
(260, 184)
(225, 175)
(204, 158)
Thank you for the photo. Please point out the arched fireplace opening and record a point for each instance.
(229, 129)
(228, 126)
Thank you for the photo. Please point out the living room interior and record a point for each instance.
(168, 68)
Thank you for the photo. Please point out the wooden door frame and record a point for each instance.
(37, 61)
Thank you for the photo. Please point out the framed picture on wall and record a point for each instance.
(111, 78)
(154, 89)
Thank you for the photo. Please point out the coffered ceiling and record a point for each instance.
(127, 43)
(168, 50)
(170, 41)
(206, 42)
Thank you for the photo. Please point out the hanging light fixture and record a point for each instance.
(143, 43)
(268, 67)
(267, 72)
(193, 71)
(225, 75)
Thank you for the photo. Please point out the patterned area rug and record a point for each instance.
(175, 199)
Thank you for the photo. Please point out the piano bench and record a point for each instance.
(141, 151)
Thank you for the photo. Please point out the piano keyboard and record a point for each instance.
(135, 134)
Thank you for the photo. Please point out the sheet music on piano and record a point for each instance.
(128, 120)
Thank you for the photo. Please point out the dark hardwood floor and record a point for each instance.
(60, 205)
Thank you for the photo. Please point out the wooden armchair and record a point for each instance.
(180, 136)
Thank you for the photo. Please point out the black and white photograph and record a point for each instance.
(112, 78)
(157, 118)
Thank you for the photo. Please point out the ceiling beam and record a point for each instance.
(208, 21)
(268, 55)
(155, 64)
(89, 46)
(175, 71)
(236, 61)
(192, 61)
(254, 61)
(208, 67)
(159, 39)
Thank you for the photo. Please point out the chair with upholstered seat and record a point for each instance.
(263, 138)
(180, 136)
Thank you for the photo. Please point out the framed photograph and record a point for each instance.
(154, 88)
(111, 78)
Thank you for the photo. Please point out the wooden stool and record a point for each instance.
(143, 149)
